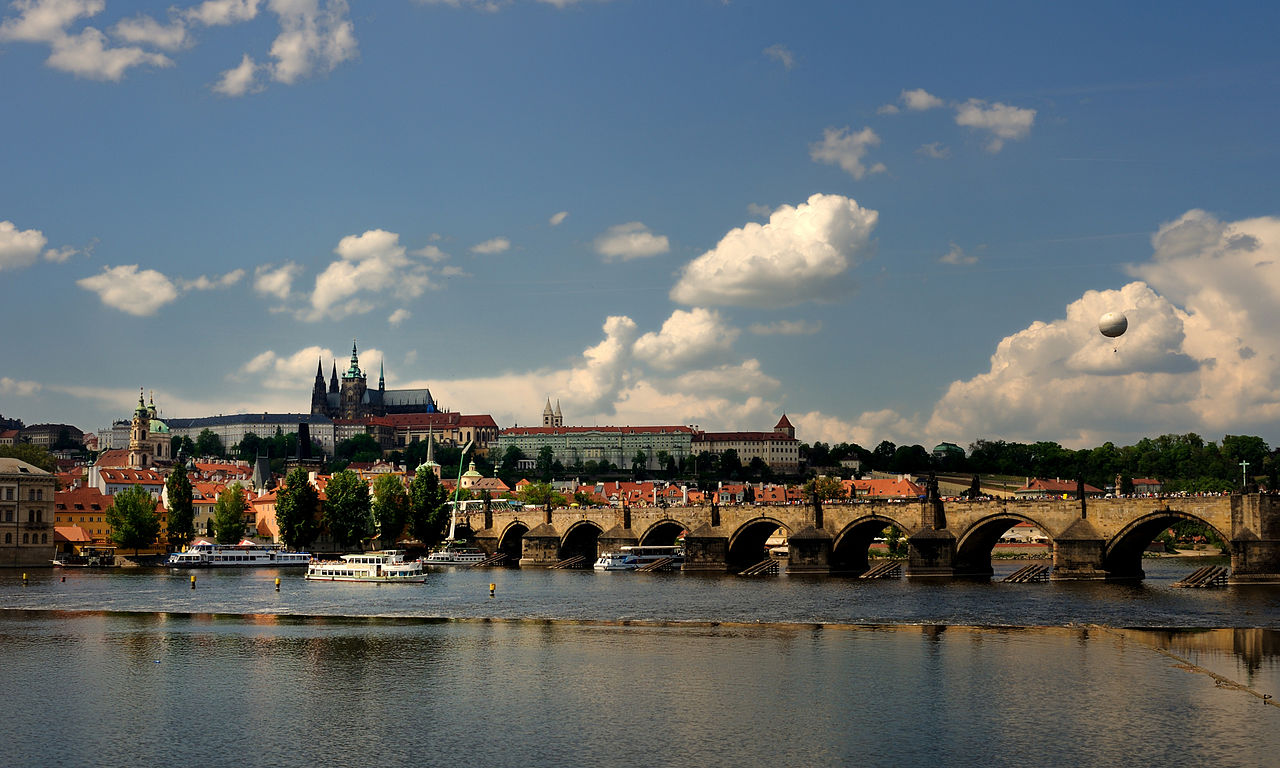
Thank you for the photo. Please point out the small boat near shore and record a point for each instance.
(246, 554)
(631, 558)
(385, 567)
(89, 557)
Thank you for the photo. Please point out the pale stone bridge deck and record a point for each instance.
(1092, 539)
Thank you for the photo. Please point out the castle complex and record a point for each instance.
(351, 397)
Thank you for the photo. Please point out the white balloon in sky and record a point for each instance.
(1113, 324)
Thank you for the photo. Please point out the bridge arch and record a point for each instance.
(852, 543)
(511, 540)
(746, 544)
(582, 539)
(974, 547)
(662, 533)
(1124, 550)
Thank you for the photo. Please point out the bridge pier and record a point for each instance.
(931, 554)
(809, 551)
(1255, 542)
(541, 548)
(1080, 554)
(706, 548)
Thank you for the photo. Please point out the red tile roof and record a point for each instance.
(1037, 485)
(579, 430)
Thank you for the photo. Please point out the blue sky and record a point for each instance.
(890, 221)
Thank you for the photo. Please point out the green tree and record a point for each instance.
(639, 462)
(731, 464)
(508, 468)
(825, 488)
(346, 512)
(209, 444)
(133, 519)
(182, 444)
(181, 510)
(361, 448)
(297, 511)
(427, 508)
(228, 515)
(32, 454)
(546, 458)
(540, 493)
(390, 508)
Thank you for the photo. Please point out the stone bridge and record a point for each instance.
(1092, 539)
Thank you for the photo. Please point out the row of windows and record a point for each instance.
(44, 538)
(33, 516)
(33, 494)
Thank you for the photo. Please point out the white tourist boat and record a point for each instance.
(455, 553)
(385, 567)
(246, 554)
(631, 558)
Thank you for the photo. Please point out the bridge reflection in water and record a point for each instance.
(1093, 539)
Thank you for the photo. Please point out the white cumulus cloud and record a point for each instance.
(240, 79)
(315, 36)
(846, 149)
(686, 338)
(919, 100)
(145, 30)
(1002, 121)
(632, 240)
(205, 283)
(270, 280)
(85, 53)
(956, 255)
(19, 247)
(369, 264)
(218, 13)
(492, 246)
(802, 253)
(128, 289)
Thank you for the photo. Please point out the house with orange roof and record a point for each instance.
(876, 489)
(1056, 487)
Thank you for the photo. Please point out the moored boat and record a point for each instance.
(455, 553)
(385, 567)
(631, 558)
(206, 554)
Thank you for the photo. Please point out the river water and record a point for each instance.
(133, 667)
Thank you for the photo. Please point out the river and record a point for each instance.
(133, 667)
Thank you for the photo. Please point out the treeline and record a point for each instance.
(1181, 462)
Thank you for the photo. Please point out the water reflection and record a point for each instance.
(212, 689)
